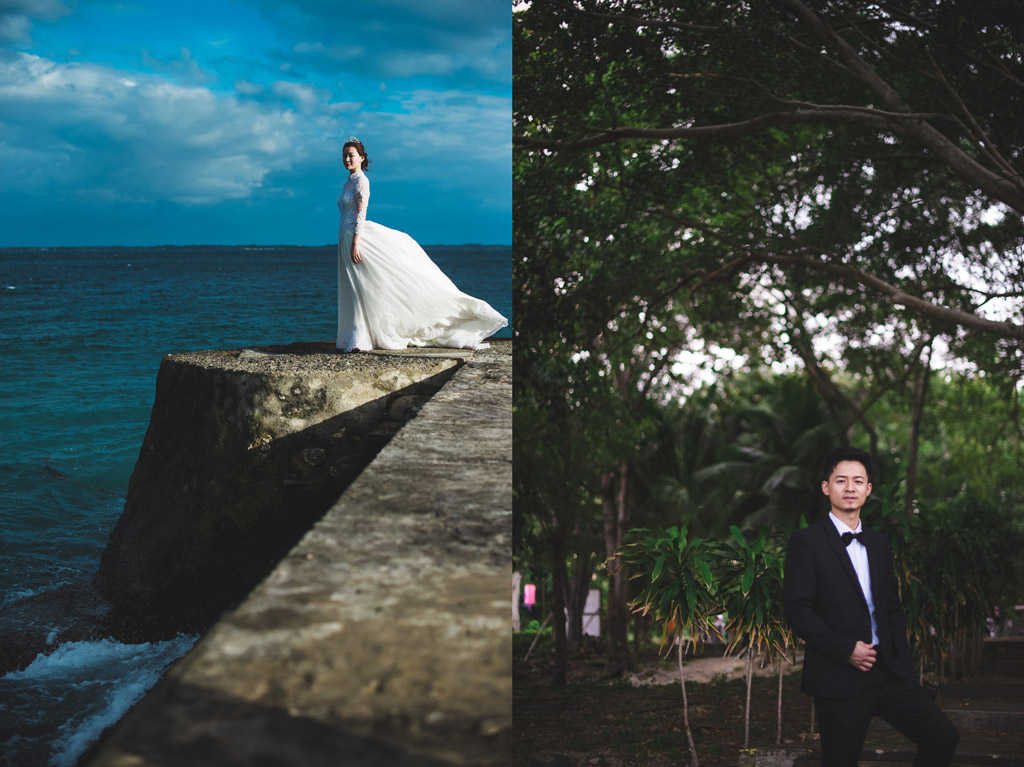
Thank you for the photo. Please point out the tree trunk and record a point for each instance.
(917, 411)
(558, 604)
(839, 405)
(778, 709)
(746, 710)
(686, 705)
(576, 597)
(616, 516)
(516, 579)
(641, 631)
(536, 638)
(951, 645)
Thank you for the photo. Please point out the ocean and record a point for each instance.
(82, 334)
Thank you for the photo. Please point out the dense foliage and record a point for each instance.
(748, 232)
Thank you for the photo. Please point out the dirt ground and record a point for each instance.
(711, 665)
(595, 721)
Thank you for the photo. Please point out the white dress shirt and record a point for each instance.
(859, 559)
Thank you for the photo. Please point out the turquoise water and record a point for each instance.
(82, 333)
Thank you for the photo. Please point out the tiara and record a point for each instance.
(352, 138)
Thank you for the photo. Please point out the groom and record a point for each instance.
(840, 597)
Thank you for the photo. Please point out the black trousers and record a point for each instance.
(901, 702)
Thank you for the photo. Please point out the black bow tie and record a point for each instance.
(847, 537)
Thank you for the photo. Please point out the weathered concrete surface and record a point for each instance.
(382, 638)
(245, 450)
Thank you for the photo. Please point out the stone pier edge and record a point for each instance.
(382, 637)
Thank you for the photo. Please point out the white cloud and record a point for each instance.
(16, 17)
(110, 134)
(15, 28)
(185, 67)
(305, 97)
(336, 52)
(117, 134)
(415, 64)
(449, 139)
(344, 107)
(243, 111)
(247, 88)
(47, 9)
(398, 38)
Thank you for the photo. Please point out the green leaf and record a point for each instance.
(705, 571)
(748, 581)
(657, 567)
(737, 534)
(759, 543)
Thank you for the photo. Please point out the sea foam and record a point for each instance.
(94, 683)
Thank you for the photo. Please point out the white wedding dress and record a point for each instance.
(397, 297)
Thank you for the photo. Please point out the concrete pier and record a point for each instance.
(382, 637)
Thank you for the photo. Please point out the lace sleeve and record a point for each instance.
(362, 197)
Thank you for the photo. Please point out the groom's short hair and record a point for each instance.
(841, 454)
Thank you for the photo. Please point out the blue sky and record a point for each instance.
(150, 122)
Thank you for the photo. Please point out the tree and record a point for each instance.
(830, 188)
(578, 424)
(552, 499)
(834, 190)
(677, 588)
(858, 93)
(752, 596)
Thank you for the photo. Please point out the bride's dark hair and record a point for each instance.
(359, 148)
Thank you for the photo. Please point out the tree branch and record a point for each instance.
(847, 55)
(965, 166)
(900, 298)
(641, 22)
(896, 296)
(980, 135)
(752, 125)
(836, 401)
(914, 357)
(897, 118)
(999, 68)
(817, 54)
(866, 110)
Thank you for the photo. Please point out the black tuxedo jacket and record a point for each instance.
(824, 604)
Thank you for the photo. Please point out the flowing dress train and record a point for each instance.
(397, 297)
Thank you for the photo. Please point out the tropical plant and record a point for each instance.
(954, 562)
(752, 596)
(678, 590)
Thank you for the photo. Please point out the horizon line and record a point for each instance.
(250, 245)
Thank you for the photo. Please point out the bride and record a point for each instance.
(390, 294)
